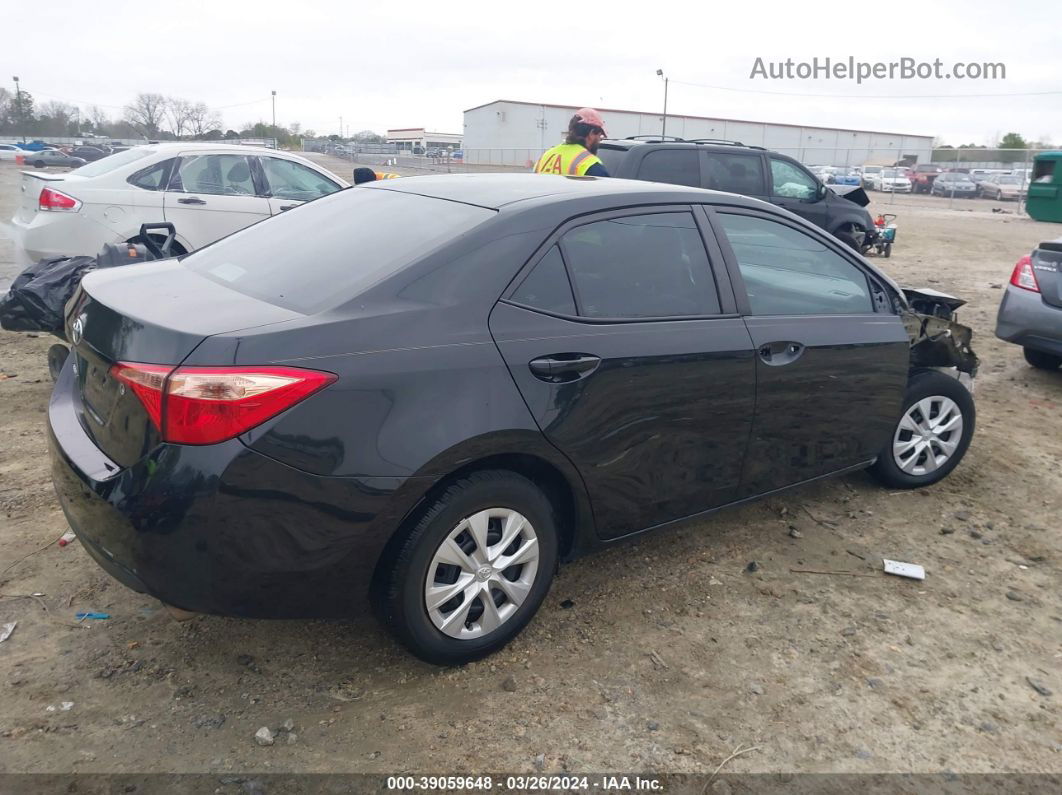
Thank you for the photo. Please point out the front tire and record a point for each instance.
(1041, 360)
(473, 570)
(932, 435)
(848, 235)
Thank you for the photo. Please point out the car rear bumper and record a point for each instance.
(223, 529)
(1026, 319)
(55, 234)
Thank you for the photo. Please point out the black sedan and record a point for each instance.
(89, 153)
(339, 403)
(52, 157)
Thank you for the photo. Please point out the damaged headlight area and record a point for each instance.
(937, 340)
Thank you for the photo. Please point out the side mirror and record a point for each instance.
(820, 194)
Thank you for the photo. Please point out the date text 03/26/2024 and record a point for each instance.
(526, 783)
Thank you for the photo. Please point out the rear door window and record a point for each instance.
(547, 287)
(218, 175)
(789, 272)
(639, 266)
(674, 166)
(152, 177)
(734, 173)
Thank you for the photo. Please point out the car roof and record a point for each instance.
(214, 146)
(495, 191)
(625, 144)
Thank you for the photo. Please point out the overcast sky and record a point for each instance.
(380, 67)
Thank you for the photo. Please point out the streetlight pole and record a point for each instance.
(18, 102)
(663, 128)
(274, 119)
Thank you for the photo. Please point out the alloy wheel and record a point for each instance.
(481, 573)
(927, 435)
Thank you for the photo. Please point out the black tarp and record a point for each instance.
(39, 294)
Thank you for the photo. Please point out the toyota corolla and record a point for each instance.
(425, 393)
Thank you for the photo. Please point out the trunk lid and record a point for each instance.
(1047, 267)
(152, 313)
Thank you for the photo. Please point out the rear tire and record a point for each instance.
(1041, 360)
(39, 164)
(466, 524)
(932, 434)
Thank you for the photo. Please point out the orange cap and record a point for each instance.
(590, 116)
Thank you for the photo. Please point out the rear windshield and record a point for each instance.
(323, 254)
(111, 162)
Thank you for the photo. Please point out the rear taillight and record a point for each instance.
(147, 382)
(207, 405)
(1023, 275)
(53, 200)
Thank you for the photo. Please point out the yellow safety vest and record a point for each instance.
(569, 159)
(386, 175)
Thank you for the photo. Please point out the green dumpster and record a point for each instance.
(1044, 200)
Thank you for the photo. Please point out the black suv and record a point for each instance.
(749, 170)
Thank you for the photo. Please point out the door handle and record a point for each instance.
(563, 367)
(288, 207)
(777, 354)
(191, 200)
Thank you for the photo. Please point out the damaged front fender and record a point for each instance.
(937, 340)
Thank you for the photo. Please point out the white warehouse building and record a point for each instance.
(505, 132)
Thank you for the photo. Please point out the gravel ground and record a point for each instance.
(664, 654)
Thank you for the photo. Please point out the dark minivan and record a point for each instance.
(748, 170)
(337, 402)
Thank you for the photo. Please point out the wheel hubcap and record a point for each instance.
(481, 573)
(927, 436)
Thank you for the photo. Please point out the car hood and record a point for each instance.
(854, 193)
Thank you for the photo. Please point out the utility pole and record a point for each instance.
(663, 129)
(274, 119)
(340, 126)
(18, 102)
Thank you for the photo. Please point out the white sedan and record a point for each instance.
(206, 191)
(10, 151)
(889, 180)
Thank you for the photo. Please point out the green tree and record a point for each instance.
(1013, 140)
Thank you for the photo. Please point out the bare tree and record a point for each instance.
(98, 117)
(146, 113)
(179, 112)
(202, 119)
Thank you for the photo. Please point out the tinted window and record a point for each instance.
(330, 251)
(151, 178)
(289, 180)
(547, 286)
(788, 272)
(791, 182)
(611, 158)
(735, 173)
(676, 166)
(220, 175)
(641, 266)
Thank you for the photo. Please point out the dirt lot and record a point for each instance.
(660, 655)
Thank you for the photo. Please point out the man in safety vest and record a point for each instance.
(577, 157)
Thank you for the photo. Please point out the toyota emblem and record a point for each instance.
(77, 330)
